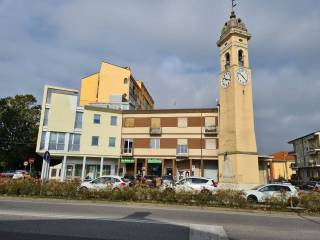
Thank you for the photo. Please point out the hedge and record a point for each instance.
(310, 202)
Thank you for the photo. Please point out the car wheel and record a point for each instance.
(252, 199)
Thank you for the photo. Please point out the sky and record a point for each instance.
(171, 46)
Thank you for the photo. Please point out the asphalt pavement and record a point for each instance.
(60, 219)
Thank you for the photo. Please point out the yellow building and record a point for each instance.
(83, 141)
(115, 86)
(238, 157)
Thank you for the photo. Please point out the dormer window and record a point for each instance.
(228, 63)
(240, 58)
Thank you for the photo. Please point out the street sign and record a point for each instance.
(46, 156)
(31, 161)
(25, 163)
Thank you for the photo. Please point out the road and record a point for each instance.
(70, 220)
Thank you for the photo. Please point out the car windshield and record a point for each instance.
(257, 187)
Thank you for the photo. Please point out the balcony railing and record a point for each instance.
(210, 130)
(155, 131)
(182, 151)
(127, 151)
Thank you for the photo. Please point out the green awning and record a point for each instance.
(127, 160)
(154, 160)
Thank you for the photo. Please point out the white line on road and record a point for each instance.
(197, 231)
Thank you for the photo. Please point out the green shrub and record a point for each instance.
(230, 198)
(310, 201)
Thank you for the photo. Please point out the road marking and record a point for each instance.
(207, 232)
(197, 231)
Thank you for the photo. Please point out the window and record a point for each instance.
(96, 118)
(106, 170)
(78, 121)
(112, 141)
(240, 58)
(211, 143)
(56, 141)
(78, 170)
(155, 143)
(129, 122)
(53, 172)
(125, 80)
(182, 122)
(199, 180)
(228, 63)
(182, 147)
(95, 141)
(113, 120)
(46, 116)
(43, 140)
(127, 146)
(74, 142)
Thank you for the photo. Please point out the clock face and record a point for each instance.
(226, 80)
(242, 76)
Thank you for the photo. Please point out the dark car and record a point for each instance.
(150, 180)
(310, 186)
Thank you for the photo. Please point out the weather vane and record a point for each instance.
(233, 4)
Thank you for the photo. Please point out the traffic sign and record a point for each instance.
(25, 163)
(46, 156)
(31, 160)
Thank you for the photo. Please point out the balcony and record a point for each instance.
(182, 151)
(210, 130)
(127, 151)
(155, 131)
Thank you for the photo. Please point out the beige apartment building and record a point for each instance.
(177, 142)
(306, 150)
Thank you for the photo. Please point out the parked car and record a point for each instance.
(111, 181)
(310, 186)
(167, 181)
(195, 184)
(19, 174)
(263, 192)
(7, 174)
(150, 180)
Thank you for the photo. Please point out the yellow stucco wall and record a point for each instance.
(89, 86)
(281, 169)
(103, 130)
(62, 113)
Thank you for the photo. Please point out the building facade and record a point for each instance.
(116, 87)
(281, 166)
(122, 134)
(177, 142)
(307, 153)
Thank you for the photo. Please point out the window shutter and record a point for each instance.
(155, 123)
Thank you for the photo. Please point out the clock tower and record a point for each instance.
(238, 157)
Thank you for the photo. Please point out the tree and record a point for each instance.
(19, 122)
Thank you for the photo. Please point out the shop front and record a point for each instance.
(154, 167)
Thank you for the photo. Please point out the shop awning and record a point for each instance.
(127, 160)
(154, 160)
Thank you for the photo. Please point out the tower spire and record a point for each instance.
(233, 5)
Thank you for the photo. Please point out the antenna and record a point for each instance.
(233, 4)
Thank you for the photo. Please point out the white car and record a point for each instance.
(19, 174)
(103, 182)
(195, 184)
(263, 192)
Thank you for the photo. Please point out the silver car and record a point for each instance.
(195, 184)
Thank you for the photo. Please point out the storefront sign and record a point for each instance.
(154, 160)
(127, 160)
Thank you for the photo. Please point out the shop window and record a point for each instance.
(53, 172)
(106, 170)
